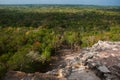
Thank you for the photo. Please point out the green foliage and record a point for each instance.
(30, 35)
(72, 39)
(20, 60)
(2, 71)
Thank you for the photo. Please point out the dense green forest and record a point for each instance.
(30, 35)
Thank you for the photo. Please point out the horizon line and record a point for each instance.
(63, 4)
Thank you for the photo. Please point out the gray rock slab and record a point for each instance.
(103, 69)
(83, 75)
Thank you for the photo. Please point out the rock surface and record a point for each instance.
(17, 75)
(84, 75)
(99, 62)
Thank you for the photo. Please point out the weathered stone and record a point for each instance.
(91, 65)
(83, 75)
(62, 73)
(88, 55)
(118, 65)
(111, 77)
(103, 69)
(62, 65)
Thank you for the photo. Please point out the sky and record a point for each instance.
(88, 2)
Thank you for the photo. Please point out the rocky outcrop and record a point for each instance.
(99, 62)
(106, 60)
